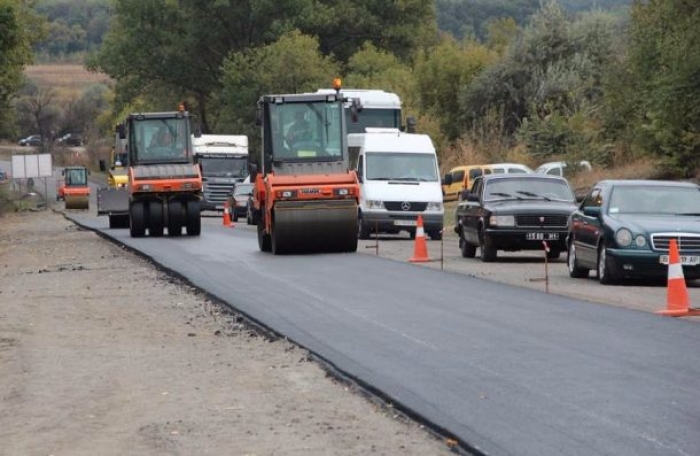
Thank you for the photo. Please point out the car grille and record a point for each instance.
(686, 242)
(397, 206)
(541, 221)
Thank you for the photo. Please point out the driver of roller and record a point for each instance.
(299, 131)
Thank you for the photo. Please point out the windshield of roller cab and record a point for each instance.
(307, 131)
(161, 140)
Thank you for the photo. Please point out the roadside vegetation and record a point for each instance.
(524, 81)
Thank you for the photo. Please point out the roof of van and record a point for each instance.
(391, 140)
(370, 98)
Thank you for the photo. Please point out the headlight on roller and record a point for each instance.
(502, 220)
(623, 237)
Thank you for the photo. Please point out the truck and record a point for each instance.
(372, 108)
(399, 180)
(223, 162)
(306, 196)
(110, 198)
(164, 187)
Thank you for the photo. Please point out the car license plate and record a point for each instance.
(542, 236)
(405, 222)
(688, 260)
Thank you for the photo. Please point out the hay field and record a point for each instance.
(67, 80)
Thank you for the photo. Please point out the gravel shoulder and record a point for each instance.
(102, 353)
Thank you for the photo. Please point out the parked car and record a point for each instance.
(238, 200)
(560, 168)
(510, 168)
(71, 140)
(32, 140)
(623, 228)
(514, 212)
(461, 178)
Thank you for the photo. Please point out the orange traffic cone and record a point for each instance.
(677, 301)
(227, 216)
(420, 249)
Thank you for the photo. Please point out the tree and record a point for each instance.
(665, 68)
(19, 28)
(275, 68)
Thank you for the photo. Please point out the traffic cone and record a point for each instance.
(227, 216)
(420, 248)
(677, 301)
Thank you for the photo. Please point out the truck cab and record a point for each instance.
(223, 161)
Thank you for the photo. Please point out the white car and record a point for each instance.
(557, 168)
(510, 168)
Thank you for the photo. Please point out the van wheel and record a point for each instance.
(362, 229)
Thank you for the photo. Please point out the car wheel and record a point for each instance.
(575, 271)
(468, 250)
(607, 269)
(362, 229)
(488, 251)
(553, 254)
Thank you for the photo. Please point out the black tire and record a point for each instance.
(488, 251)
(176, 217)
(137, 219)
(264, 241)
(412, 233)
(156, 219)
(193, 217)
(234, 217)
(468, 250)
(362, 229)
(435, 235)
(112, 221)
(607, 269)
(575, 271)
(553, 254)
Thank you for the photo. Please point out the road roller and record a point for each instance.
(73, 189)
(165, 185)
(306, 196)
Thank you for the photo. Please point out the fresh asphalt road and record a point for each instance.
(502, 369)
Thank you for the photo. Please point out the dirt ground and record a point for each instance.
(103, 354)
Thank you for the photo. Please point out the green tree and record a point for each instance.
(19, 28)
(665, 69)
(292, 64)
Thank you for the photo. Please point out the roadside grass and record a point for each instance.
(68, 81)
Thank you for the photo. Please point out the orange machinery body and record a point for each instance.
(305, 187)
(165, 185)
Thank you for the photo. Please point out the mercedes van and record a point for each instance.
(399, 180)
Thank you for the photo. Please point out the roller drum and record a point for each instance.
(76, 201)
(317, 226)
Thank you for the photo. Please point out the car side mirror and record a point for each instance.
(472, 197)
(103, 166)
(447, 179)
(591, 211)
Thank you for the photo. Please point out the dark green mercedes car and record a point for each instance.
(623, 228)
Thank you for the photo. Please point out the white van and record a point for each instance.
(510, 168)
(399, 180)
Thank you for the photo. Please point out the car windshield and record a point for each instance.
(654, 199)
(401, 166)
(527, 188)
(243, 189)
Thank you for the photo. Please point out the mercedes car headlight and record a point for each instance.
(623, 237)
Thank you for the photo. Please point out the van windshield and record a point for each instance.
(401, 166)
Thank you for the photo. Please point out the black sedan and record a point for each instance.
(238, 200)
(32, 140)
(514, 212)
(623, 229)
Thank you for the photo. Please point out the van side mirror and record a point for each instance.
(411, 124)
(103, 165)
(198, 132)
(355, 108)
(258, 116)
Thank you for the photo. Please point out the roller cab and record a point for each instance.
(306, 196)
